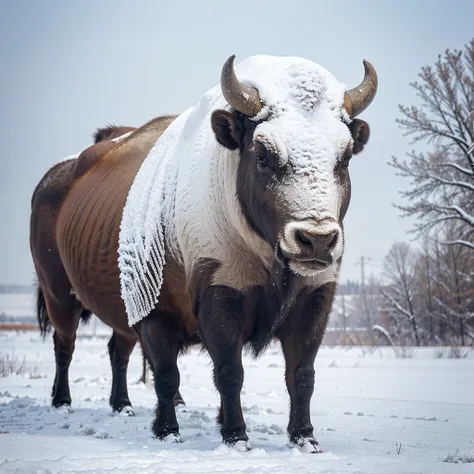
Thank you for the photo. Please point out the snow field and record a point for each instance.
(372, 413)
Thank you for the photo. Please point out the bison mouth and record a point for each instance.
(303, 267)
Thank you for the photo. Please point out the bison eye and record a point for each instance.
(262, 160)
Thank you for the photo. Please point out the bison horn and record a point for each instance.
(240, 96)
(359, 98)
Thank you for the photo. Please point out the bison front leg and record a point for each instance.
(221, 329)
(301, 336)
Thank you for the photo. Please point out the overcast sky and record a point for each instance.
(69, 67)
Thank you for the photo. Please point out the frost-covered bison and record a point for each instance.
(221, 226)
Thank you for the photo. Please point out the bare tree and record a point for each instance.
(401, 289)
(452, 288)
(442, 179)
(425, 280)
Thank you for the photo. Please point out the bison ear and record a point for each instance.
(227, 129)
(360, 132)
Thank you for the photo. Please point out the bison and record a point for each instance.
(222, 226)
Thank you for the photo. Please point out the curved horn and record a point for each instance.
(241, 97)
(359, 98)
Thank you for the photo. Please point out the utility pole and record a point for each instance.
(362, 285)
(344, 320)
(362, 280)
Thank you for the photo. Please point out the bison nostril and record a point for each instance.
(302, 238)
(332, 241)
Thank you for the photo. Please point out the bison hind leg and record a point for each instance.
(64, 319)
(120, 348)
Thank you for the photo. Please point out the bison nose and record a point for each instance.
(316, 242)
(308, 242)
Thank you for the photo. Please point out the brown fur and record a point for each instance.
(88, 223)
(75, 220)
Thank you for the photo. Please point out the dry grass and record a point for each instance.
(404, 352)
(11, 365)
(451, 352)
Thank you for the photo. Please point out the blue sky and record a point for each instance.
(69, 67)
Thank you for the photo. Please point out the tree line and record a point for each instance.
(426, 295)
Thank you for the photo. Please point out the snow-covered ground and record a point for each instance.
(372, 413)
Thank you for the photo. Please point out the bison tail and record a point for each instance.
(43, 317)
(42, 313)
(85, 316)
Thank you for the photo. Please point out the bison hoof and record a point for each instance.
(241, 446)
(64, 409)
(126, 411)
(172, 438)
(306, 445)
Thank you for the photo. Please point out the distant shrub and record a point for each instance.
(461, 458)
(458, 352)
(451, 352)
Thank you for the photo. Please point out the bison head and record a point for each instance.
(293, 179)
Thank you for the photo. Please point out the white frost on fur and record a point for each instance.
(121, 137)
(305, 104)
(70, 157)
(187, 184)
(141, 238)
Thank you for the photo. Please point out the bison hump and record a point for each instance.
(90, 157)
